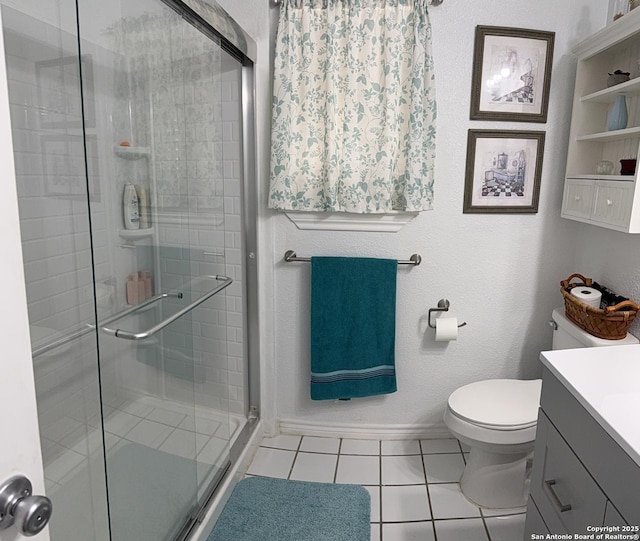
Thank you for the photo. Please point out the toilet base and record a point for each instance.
(496, 480)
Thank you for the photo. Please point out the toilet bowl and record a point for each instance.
(497, 420)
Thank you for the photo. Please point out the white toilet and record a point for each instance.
(497, 420)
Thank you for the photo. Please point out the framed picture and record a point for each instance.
(503, 171)
(511, 74)
(60, 100)
(66, 167)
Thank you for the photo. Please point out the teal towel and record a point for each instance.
(353, 327)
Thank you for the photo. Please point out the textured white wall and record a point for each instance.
(501, 273)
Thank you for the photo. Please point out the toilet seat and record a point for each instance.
(498, 404)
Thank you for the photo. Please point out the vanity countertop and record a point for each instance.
(606, 381)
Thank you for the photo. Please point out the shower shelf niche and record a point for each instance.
(131, 153)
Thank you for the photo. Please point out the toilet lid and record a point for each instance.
(499, 403)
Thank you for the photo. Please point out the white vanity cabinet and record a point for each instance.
(586, 467)
(611, 201)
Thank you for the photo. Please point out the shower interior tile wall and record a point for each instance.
(52, 228)
(196, 168)
(233, 246)
(55, 229)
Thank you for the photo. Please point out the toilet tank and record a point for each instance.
(567, 335)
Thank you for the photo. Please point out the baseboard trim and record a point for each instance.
(364, 431)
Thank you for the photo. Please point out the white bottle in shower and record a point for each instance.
(131, 207)
(143, 202)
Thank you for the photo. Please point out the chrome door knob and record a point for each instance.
(32, 514)
(18, 506)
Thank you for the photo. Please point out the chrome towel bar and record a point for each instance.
(128, 335)
(290, 256)
(37, 351)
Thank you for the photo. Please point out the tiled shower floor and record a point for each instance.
(157, 424)
(413, 485)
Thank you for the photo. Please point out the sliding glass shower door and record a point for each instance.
(156, 91)
(133, 318)
(41, 52)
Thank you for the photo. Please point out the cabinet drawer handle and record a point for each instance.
(563, 507)
(609, 202)
(577, 198)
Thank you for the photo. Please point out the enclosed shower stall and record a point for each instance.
(139, 322)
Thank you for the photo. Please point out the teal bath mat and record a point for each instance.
(266, 509)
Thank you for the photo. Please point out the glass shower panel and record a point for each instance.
(207, 135)
(155, 88)
(151, 101)
(43, 70)
(233, 176)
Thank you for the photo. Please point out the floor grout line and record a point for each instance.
(424, 471)
(484, 523)
(379, 525)
(380, 486)
(295, 457)
(335, 471)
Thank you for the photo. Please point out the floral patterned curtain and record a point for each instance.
(354, 107)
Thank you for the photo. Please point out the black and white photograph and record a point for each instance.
(59, 93)
(511, 74)
(503, 171)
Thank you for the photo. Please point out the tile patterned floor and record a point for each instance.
(413, 485)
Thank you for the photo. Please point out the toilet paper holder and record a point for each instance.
(443, 306)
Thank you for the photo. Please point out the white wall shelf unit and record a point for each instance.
(610, 136)
(624, 178)
(608, 95)
(611, 201)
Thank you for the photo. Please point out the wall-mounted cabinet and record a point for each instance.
(606, 200)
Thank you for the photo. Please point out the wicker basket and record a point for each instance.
(611, 323)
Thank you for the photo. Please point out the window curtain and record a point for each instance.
(354, 109)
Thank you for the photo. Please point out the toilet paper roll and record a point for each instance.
(446, 329)
(587, 294)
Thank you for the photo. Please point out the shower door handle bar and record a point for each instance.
(141, 305)
(128, 335)
(89, 327)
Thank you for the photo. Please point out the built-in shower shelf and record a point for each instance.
(135, 234)
(131, 153)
